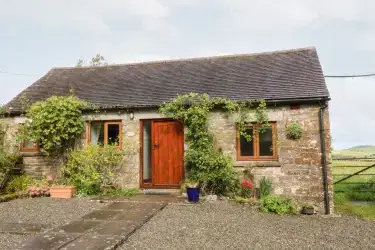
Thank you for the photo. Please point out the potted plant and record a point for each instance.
(60, 189)
(192, 190)
(307, 209)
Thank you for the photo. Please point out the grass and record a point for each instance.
(342, 168)
(345, 206)
(8, 197)
(344, 200)
(121, 192)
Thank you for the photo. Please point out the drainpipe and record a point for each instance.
(324, 158)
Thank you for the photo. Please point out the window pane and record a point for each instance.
(114, 134)
(247, 147)
(147, 163)
(265, 143)
(28, 143)
(97, 133)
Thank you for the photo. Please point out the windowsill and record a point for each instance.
(30, 154)
(256, 164)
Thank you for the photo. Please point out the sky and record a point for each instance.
(36, 35)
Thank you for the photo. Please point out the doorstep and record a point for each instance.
(154, 198)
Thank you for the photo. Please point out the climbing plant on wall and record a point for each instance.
(205, 163)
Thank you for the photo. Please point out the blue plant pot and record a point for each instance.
(193, 194)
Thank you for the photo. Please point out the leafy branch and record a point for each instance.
(56, 122)
(205, 163)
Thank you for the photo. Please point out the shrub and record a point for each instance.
(277, 204)
(9, 161)
(91, 167)
(218, 176)
(19, 183)
(265, 187)
(294, 131)
(56, 122)
(360, 192)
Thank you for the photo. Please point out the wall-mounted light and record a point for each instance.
(131, 115)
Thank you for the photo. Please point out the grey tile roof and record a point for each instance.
(281, 75)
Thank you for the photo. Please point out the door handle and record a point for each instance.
(156, 145)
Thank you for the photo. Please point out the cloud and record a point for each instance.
(352, 111)
(91, 16)
(39, 34)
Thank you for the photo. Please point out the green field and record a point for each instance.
(342, 168)
(366, 151)
(346, 193)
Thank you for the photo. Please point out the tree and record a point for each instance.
(97, 60)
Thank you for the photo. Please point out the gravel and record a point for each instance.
(11, 241)
(50, 212)
(223, 225)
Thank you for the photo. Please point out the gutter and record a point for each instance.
(324, 158)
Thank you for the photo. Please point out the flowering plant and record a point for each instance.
(247, 184)
(246, 188)
(42, 187)
(35, 191)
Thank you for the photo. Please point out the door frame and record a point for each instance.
(151, 185)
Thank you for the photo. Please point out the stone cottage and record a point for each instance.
(291, 82)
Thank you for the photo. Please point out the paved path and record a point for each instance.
(106, 228)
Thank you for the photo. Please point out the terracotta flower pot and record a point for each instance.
(62, 192)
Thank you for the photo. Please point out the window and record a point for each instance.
(28, 145)
(261, 147)
(103, 133)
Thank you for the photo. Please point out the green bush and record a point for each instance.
(277, 204)
(92, 167)
(358, 192)
(19, 183)
(361, 196)
(56, 122)
(294, 131)
(265, 187)
(218, 176)
(9, 161)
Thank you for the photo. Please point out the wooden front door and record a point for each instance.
(167, 153)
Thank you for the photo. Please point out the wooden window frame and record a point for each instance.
(106, 123)
(255, 140)
(35, 149)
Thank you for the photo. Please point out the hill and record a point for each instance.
(361, 151)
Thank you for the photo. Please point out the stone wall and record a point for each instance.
(38, 165)
(298, 171)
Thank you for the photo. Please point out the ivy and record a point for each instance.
(205, 163)
(56, 122)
